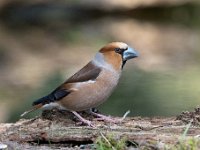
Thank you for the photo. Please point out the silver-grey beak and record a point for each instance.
(129, 54)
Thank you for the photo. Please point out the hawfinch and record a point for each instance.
(92, 85)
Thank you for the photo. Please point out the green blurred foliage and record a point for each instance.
(155, 93)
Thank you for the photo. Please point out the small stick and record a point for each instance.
(125, 115)
(107, 141)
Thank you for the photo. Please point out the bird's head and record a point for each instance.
(117, 53)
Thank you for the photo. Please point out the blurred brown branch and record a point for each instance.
(22, 13)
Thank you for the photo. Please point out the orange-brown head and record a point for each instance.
(117, 53)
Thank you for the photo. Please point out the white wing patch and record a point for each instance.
(91, 81)
(79, 84)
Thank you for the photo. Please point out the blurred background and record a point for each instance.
(43, 42)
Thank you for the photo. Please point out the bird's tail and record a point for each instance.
(35, 107)
(52, 97)
(37, 104)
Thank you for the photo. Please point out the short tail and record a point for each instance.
(52, 97)
(35, 107)
(37, 104)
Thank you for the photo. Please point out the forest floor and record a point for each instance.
(53, 130)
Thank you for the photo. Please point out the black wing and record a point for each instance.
(52, 97)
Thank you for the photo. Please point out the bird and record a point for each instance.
(92, 85)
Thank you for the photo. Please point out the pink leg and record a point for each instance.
(82, 119)
(105, 118)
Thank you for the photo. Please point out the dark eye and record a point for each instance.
(118, 50)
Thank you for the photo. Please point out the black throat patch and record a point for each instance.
(123, 63)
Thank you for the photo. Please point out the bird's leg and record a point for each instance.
(82, 119)
(103, 117)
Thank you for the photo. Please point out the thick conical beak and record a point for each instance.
(129, 54)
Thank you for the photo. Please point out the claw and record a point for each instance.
(105, 118)
(83, 120)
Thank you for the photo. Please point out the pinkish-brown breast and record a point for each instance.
(91, 93)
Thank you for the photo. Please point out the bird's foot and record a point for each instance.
(83, 120)
(101, 117)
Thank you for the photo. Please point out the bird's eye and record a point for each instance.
(118, 50)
